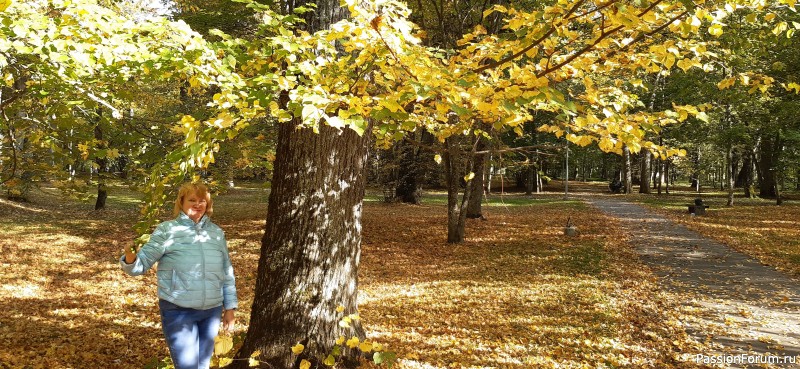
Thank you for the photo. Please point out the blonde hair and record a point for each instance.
(196, 188)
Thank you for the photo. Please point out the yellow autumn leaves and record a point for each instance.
(353, 343)
(223, 345)
(4, 4)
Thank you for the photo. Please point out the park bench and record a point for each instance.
(615, 186)
(698, 208)
(388, 193)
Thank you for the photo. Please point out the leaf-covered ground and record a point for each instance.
(517, 294)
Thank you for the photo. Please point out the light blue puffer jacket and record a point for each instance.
(194, 268)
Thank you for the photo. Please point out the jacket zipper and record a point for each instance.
(203, 262)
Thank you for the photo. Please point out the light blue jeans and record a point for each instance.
(190, 334)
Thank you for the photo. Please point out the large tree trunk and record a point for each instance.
(748, 179)
(312, 242)
(311, 247)
(456, 213)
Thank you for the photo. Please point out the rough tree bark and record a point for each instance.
(102, 167)
(530, 179)
(797, 178)
(745, 178)
(627, 179)
(474, 207)
(311, 247)
(661, 166)
(456, 213)
(408, 188)
(696, 172)
(771, 148)
(312, 242)
(411, 168)
(730, 172)
(644, 175)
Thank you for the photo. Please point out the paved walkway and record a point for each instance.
(755, 308)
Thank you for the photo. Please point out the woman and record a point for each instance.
(195, 277)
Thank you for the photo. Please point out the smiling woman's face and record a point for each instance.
(194, 206)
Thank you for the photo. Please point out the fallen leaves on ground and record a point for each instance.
(516, 294)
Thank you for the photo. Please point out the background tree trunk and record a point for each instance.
(530, 179)
(456, 213)
(744, 172)
(644, 175)
(661, 166)
(102, 167)
(770, 153)
(797, 178)
(409, 189)
(627, 180)
(474, 208)
(731, 171)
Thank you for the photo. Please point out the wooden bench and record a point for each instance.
(698, 208)
(388, 193)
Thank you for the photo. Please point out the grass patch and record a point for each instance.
(492, 200)
(584, 258)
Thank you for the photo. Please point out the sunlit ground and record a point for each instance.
(517, 294)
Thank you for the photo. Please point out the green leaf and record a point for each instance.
(460, 110)
(689, 4)
(358, 124)
(387, 358)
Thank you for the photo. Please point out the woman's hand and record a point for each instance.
(228, 320)
(130, 256)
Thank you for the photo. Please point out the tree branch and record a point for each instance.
(597, 9)
(602, 36)
(527, 48)
(534, 148)
(114, 111)
(643, 35)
